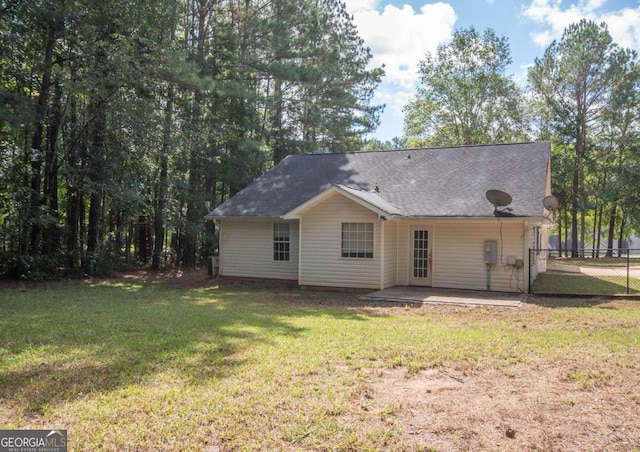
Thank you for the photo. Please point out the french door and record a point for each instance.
(420, 255)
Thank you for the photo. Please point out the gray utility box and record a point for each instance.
(490, 252)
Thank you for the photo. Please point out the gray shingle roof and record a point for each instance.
(372, 198)
(438, 182)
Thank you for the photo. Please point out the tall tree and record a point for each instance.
(576, 78)
(618, 138)
(317, 86)
(118, 121)
(465, 96)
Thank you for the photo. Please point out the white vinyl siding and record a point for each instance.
(390, 255)
(536, 241)
(458, 255)
(403, 253)
(246, 249)
(321, 261)
(457, 248)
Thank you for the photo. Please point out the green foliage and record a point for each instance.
(465, 96)
(588, 88)
(119, 120)
(145, 365)
(394, 143)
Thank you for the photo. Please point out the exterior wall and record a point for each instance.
(390, 231)
(321, 263)
(539, 253)
(457, 250)
(458, 255)
(246, 249)
(404, 251)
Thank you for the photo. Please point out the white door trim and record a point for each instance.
(420, 255)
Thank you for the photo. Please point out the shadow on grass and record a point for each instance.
(581, 284)
(66, 342)
(568, 301)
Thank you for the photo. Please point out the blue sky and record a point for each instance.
(399, 34)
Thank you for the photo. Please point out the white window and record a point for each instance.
(357, 240)
(281, 241)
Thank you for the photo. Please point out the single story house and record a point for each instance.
(453, 217)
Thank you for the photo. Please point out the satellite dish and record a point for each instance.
(550, 203)
(498, 198)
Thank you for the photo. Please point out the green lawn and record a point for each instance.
(598, 262)
(581, 284)
(133, 366)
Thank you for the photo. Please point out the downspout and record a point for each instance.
(488, 277)
(381, 222)
(299, 250)
(397, 263)
(220, 242)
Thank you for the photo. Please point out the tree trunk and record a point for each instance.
(566, 234)
(611, 232)
(96, 192)
(74, 201)
(560, 216)
(161, 188)
(74, 198)
(142, 243)
(52, 231)
(38, 134)
(621, 237)
(279, 151)
(93, 230)
(574, 215)
(189, 244)
(598, 232)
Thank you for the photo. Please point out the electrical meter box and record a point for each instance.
(490, 252)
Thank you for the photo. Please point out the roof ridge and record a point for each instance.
(434, 182)
(351, 188)
(463, 146)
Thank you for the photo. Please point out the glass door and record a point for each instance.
(420, 256)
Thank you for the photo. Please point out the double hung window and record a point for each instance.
(357, 240)
(281, 242)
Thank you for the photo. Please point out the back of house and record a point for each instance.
(456, 217)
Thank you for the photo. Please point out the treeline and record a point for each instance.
(583, 95)
(120, 120)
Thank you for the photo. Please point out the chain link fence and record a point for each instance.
(612, 272)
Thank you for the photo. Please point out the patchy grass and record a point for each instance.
(597, 261)
(584, 284)
(131, 365)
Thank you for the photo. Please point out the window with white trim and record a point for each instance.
(281, 242)
(357, 240)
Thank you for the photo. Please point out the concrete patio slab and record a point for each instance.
(414, 294)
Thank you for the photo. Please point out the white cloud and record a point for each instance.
(624, 24)
(399, 37)
(355, 6)
(624, 27)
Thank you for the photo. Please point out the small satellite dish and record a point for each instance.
(550, 203)
(498, 198)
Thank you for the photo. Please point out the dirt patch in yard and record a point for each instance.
(516, 408)
(175, 277)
